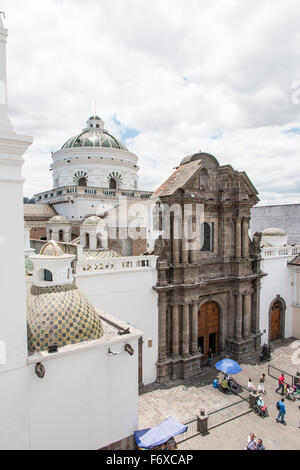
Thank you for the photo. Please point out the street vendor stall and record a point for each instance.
(160, 437)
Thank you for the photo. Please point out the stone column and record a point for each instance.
(186, 331)
(238, 315)
(194, 250)
(195, 328)
(245, 238)
(238, 238)
(175, 331)
(175, 250)
(231, 317)
(162, 327)
(185, 253)
(247, 315)
(256, 307)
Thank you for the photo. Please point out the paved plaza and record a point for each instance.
(184, 399)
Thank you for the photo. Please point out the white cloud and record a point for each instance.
(178, 72)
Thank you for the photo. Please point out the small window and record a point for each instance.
(48, 276)
(207, 234)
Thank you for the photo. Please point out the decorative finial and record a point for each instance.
(2, 13)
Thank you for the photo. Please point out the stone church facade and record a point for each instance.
(209, 297)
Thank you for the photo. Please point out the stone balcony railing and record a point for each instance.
(108, 265)
(67, 193)
(281, 251)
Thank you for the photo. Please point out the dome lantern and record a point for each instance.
(95, 122)
(52, 267)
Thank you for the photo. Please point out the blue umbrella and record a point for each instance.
(228, 366)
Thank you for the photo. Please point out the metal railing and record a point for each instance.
(228, 413)
(192, 431)
(274, 372)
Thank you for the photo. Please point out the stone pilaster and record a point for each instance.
(245, 238)
(246, 315)
(162, 327)
(175, 331)
(238, 238)
(186, 330)
(238, 315)
(195, 328)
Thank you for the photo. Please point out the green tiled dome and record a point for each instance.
(62, 315)
(94, 138)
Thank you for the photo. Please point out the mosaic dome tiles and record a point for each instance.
(62, 315)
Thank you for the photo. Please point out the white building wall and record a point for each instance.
(86, 400)
(130, 297)
(80, 208)
(277, 282)
(14, 395)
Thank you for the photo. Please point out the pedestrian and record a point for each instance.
(250, 386)
(282, 411)
(261, 386)
(281, 381)
(259, 445)
(209, 358)
(251, 442)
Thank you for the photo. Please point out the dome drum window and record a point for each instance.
(114, 180)
(81, 178)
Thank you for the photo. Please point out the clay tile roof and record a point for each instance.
(178, 179)
(295, 261)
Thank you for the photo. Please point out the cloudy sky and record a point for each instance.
(170, 77)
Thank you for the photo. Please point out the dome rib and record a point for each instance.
(94, 138)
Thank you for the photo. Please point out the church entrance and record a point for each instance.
(209, 327)
(275, 321)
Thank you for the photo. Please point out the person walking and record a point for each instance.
(250, 386)
(251, 442)
(281, 381)
(259, 445)
(209, 358)
(282, 411)
(261, 387)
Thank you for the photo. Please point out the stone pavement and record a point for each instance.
(184, 399)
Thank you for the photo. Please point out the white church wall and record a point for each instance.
(14, 399)
(277, 282)
(129, 296)
(80, 208)
(87, 399)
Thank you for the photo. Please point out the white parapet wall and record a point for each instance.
(124, 288)
(88, 397)
(278, 282)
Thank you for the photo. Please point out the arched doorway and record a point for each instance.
(61, 235)
(276, 319)
(209, 327)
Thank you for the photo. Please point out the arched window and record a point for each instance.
(82, 182)
(50, 234)
(207, 234)
(112, 184)
(61, 236)
(87, 240)
(48, 275)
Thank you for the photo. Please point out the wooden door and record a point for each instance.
(275, 321)
(209, 327)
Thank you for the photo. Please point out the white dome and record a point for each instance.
(58, 219)
(93, 220)
(274, 232)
